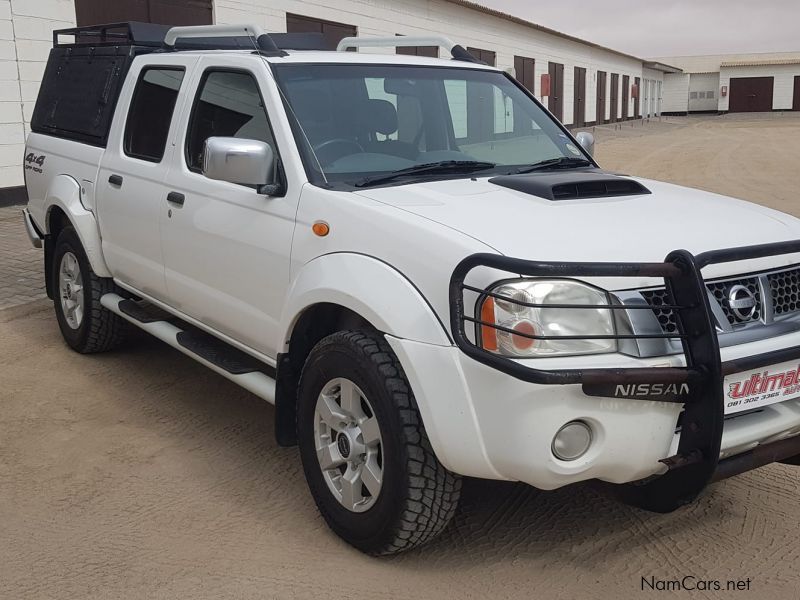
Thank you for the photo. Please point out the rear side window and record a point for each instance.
(151, 112)
(228, 104)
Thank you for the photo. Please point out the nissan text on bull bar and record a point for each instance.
(428, 275)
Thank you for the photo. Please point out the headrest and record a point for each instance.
(380, 116)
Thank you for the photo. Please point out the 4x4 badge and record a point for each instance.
(742, 302)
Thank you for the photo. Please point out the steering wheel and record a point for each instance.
(334, 149)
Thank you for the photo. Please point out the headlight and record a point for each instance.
(552, 315)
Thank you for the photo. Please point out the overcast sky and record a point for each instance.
(648, 28)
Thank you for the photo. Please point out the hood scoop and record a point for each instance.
(572, 185)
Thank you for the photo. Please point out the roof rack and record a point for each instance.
(113, 34)
(157, 37)
(456, 51)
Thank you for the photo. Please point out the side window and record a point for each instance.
(228, 104)
(151, 111)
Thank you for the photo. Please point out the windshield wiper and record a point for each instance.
(442, 166)
(562, 162)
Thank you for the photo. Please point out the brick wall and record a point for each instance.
(26, 32)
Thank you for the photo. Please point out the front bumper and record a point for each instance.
(515, 418)
(33, 234)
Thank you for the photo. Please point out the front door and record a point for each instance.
(751, 94)
(796, 99)
(555, 102)
(626, 93)
(614, 97)
(226, 246)
(132, 171)
(600, 108)
(579, 98)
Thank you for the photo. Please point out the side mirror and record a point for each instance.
(586, 140)
(246, 162)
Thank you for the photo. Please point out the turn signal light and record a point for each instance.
(321, 228)
(488, 334)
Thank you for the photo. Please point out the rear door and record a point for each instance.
(133, 168)
(226, 246)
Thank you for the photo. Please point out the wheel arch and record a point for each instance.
(337, 292)
(63, 208)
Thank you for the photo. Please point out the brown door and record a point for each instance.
(555, 101)
(751, 94)
(626, 94)
(796, 100)
(579, 98)
(638, 83)
(600, 112)
(332, 31)
(166, 12)
(614, 98)
(487, 56)
(524, 72)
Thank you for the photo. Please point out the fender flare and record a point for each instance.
(65, 193)
(369, 287)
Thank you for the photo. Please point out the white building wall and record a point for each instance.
(26, 33)
(703, 91)
(465, 26)
(675, 97)
(782, 93)
(652, 83)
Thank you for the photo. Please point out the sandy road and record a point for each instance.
(141, 474)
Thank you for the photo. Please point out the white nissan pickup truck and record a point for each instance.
(426, 273)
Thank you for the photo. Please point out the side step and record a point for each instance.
(233, 364)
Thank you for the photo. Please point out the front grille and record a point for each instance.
(784, 287)
(666, 316)
(721, 289)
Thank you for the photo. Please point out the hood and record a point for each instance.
(633, 228)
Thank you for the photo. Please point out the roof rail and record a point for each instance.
(206, 32)
(456, 51)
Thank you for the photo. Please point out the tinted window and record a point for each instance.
(228, 105)
(151, 113)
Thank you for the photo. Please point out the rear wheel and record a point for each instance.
(85, 324)
(368, 461)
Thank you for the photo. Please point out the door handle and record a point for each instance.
(115, 180)
(176, 198)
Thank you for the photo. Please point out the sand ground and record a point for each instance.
(139, 474)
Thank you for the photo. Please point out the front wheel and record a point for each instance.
(367, 459)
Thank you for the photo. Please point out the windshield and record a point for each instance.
(358, 121)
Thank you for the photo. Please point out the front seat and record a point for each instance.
(380, 117)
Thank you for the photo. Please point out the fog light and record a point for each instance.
(572, 440)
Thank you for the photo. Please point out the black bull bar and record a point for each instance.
(696, 463)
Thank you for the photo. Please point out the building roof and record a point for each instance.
(657, 65)
(520, 21)
(761, 63)
(711, 63)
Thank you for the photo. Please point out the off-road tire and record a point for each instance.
(418, 495)
(100, 329)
